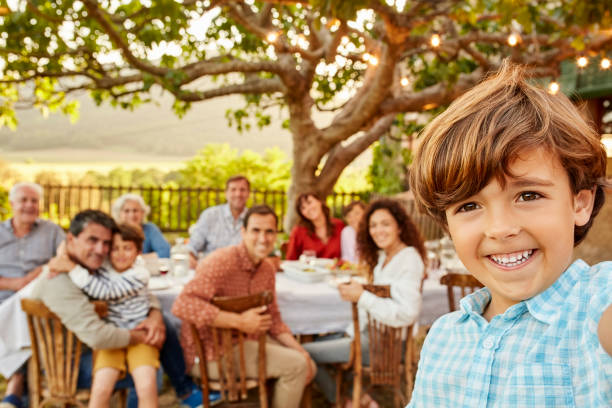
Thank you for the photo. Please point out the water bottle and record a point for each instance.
(179, 256)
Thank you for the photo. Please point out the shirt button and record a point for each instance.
(488, 343)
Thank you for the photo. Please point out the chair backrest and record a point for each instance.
(55, 349)
(387, 347)
(466, 282)
(223, 344)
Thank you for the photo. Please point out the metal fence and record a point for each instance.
(173, 209)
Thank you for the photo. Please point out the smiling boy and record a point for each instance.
(516, 176)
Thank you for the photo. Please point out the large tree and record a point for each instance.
(369, 62)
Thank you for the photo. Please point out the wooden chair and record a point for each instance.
(57, 350)
(466, 282)
(392, 356)
(233, 389)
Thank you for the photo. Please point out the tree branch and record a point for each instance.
(341, 156)
(258, 86)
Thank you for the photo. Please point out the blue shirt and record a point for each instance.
(542, 352)
(216, 228)
(18, 256)
(155, 241)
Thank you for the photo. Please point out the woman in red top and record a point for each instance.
(316, 231)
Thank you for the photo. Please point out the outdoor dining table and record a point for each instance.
(311, 307)
(307, 308)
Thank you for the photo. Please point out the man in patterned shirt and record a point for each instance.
(237, 271)
(26, 244)
(219, 226)
(516, 176)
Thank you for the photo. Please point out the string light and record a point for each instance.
(605, 63)
(272, 37)
(404, 81)
(513, 39)
(373, 60)
(435, 40)
(582, 61)
(366, 56)
(553, 88)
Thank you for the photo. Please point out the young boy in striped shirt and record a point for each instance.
(123, 285)
(516, 176)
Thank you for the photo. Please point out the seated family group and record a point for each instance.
(514, 174)
(97, 260)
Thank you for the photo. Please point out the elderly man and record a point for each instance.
(236, 271)
(88, 243)
(219, 226)
(26, 243)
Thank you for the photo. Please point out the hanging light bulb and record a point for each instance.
(435, 40)
(373, 60)
(272, 37)
(404, 81)
(513, 39)
(553, 88)
(366, 56)
(605, 63)
(582, 61)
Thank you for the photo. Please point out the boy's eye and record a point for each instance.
(467, 207)
(529, 196)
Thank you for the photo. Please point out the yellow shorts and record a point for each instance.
(136, 356)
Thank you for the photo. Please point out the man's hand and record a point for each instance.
(154, 328)
(137, 336)
(350, 291)
(255, 320)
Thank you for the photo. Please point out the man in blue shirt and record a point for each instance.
(26, 244)
(516, 176)
(220, 226)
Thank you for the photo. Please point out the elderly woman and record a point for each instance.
(131, 208)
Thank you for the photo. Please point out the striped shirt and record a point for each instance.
(542, 352)
(18, 256)
(125, 292)
(216, 228)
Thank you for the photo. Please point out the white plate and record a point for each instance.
(159, 283)
(316, 275)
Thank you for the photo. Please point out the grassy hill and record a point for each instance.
(151, 130)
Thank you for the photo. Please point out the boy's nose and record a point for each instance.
(501, 225)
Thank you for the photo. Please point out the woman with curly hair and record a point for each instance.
(392, 247)
(317, 232)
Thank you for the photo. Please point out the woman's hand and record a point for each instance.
(351, 292)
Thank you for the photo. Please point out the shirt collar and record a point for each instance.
(545, 305)
(227, 213)
(8, 224)
(474, 304)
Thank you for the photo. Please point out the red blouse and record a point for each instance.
(301, 240)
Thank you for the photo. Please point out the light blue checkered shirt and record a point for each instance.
(542, 352)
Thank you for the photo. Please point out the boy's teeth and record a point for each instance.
(512, 259)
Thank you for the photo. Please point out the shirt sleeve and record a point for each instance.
(295, 247)
(156, 241)
(348, 244)
(109, 285)
(193, 303)
(403, 307)
(600, 300)
(197, 239)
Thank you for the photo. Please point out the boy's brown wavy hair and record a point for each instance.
(484, 130)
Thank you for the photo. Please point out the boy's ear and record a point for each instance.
(583, 206)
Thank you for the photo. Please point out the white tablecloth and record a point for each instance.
(311, 308)
(14, 335)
